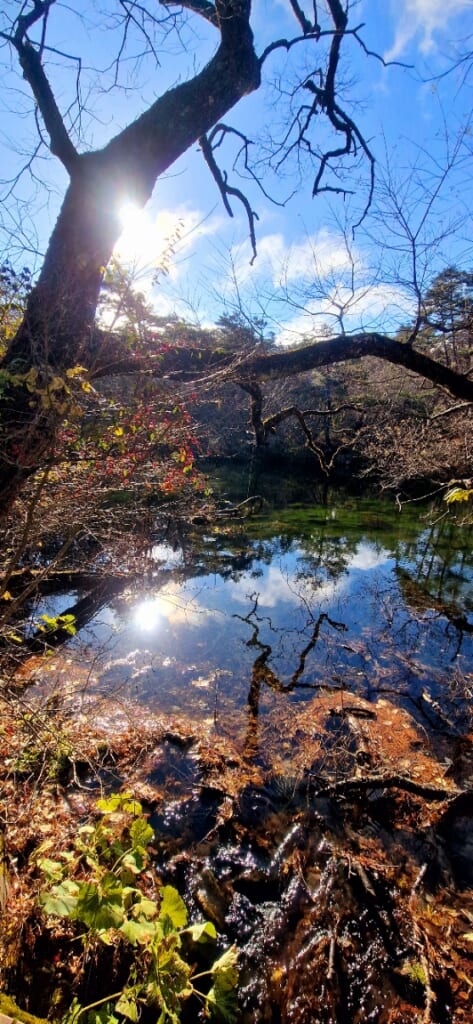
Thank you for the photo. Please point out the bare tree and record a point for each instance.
(57, 332)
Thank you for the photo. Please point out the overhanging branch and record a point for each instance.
(184, 363)
(357, 346)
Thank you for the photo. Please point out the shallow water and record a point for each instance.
(353, 596)
(332, 846)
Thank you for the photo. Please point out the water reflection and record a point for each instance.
(148, 614)
(304, 605)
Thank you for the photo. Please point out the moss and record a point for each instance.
(10, 1009)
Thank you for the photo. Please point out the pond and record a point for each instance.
(302, 684)
(352, 595)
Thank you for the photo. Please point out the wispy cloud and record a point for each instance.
(322, 253)
(382, 307)
(423, 19)
(281, 262)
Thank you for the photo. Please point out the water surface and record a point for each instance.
(352, 596)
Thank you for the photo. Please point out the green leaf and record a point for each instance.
(103, 1015)
(145, 908)
(172, 907)
(61, 900)
(171, 981)
(203, 931)
(133, 862)
(98, 912)
(141, 834)
(222, 998)
(119, 802)
(53, 869)
(73, 1013)
(138, 932)
(111, 888)
(127, 1006)
(225, 969)
(222, 1004)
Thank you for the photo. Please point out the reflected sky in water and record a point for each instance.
(331, 608)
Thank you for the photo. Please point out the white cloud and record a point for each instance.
(383, 307)
(272, 588)
(277, 587)
(423, 18)
(367, 556)
(319, 254)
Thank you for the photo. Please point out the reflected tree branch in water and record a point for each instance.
(262, 673)
(380, 781)
(323, 617)
(44, 639)
(417, 596)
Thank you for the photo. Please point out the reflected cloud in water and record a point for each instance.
(367, 557)
(232, 627)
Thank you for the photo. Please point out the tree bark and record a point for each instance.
(357, 346)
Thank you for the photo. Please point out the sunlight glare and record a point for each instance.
(148, 614)
(138, 238)
(144, 240)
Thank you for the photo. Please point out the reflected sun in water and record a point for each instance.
(148, 615)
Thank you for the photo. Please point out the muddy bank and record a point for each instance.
(333, 847)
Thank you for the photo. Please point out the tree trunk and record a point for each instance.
(57, 331)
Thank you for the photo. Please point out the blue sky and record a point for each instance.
(310, 273)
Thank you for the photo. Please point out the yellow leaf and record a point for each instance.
(74, 371)
(458, 494)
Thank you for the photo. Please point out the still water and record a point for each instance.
(353, 595)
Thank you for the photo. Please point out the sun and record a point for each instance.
(139, 241)
(145, 240)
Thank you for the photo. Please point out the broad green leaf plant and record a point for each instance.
(100, 883)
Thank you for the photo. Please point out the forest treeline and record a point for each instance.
(159, 395)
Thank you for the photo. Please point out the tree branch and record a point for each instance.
(151, 144)
(357, 346)
(203, 7)
(225, 189)
(325, 98)
(33, 72)
(306, 25)
(194, 363)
